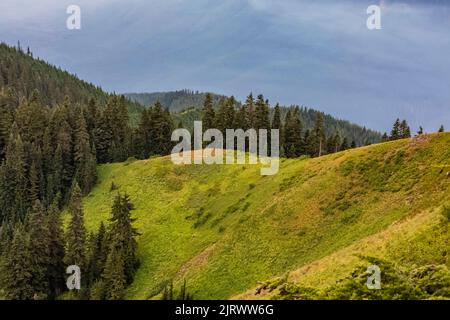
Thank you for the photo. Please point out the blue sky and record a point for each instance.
(314, 53)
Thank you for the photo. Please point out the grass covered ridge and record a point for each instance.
(224, 228)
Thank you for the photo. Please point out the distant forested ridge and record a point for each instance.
(175, 101)
(185, 106)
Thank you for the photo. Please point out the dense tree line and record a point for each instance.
(256, 114)
(352, 132)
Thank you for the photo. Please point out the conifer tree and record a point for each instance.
(122, 235)
(337, 142)
(16, 268)
(84, 160)
(39, 250)
(420, 132)
(92, 115)
(231, 112)
(262, 120)
(308, 143)
(160, 130)
(55, 268)
(277, 124)
(92, 268)
(250, 112)
(103, 136)
(6, 120)
(55, 178)
(441, 129)
(344, 145)
(395, 133)
(34, 183)
(144, 140)
(6, 233)
(76, 231)
(318, 137)
(32, 120)
(118, 121)
(63, 139)
(226, 114)
(293, 143)
(332, 143)
(404, 130)
(14, 201)
(114, 275)
(241, 118)
(209, 114)
(97, 254)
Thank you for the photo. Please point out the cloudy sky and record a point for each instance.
(314, 53)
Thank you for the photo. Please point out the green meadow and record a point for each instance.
(224, 228)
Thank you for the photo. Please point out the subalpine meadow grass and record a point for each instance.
(223, 228)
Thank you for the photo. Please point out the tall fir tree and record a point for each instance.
(293, 142)
(262, 119)
(161, 127)
(395, 132)
(55, 268)
(404, 130)
(14, 201)
(278, 124)
(250, 112)
(209, 114)
(122, 235)
(114, 275)
(318, 136)
(16, 268)
(76, 231)
(63, 139)
(84, 159)
(225, 116)
(39, 250)
(98, 250)
(144, 142)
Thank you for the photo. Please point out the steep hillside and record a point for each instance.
(225, 228)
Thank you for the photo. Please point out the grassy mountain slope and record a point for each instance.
(224, 228)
